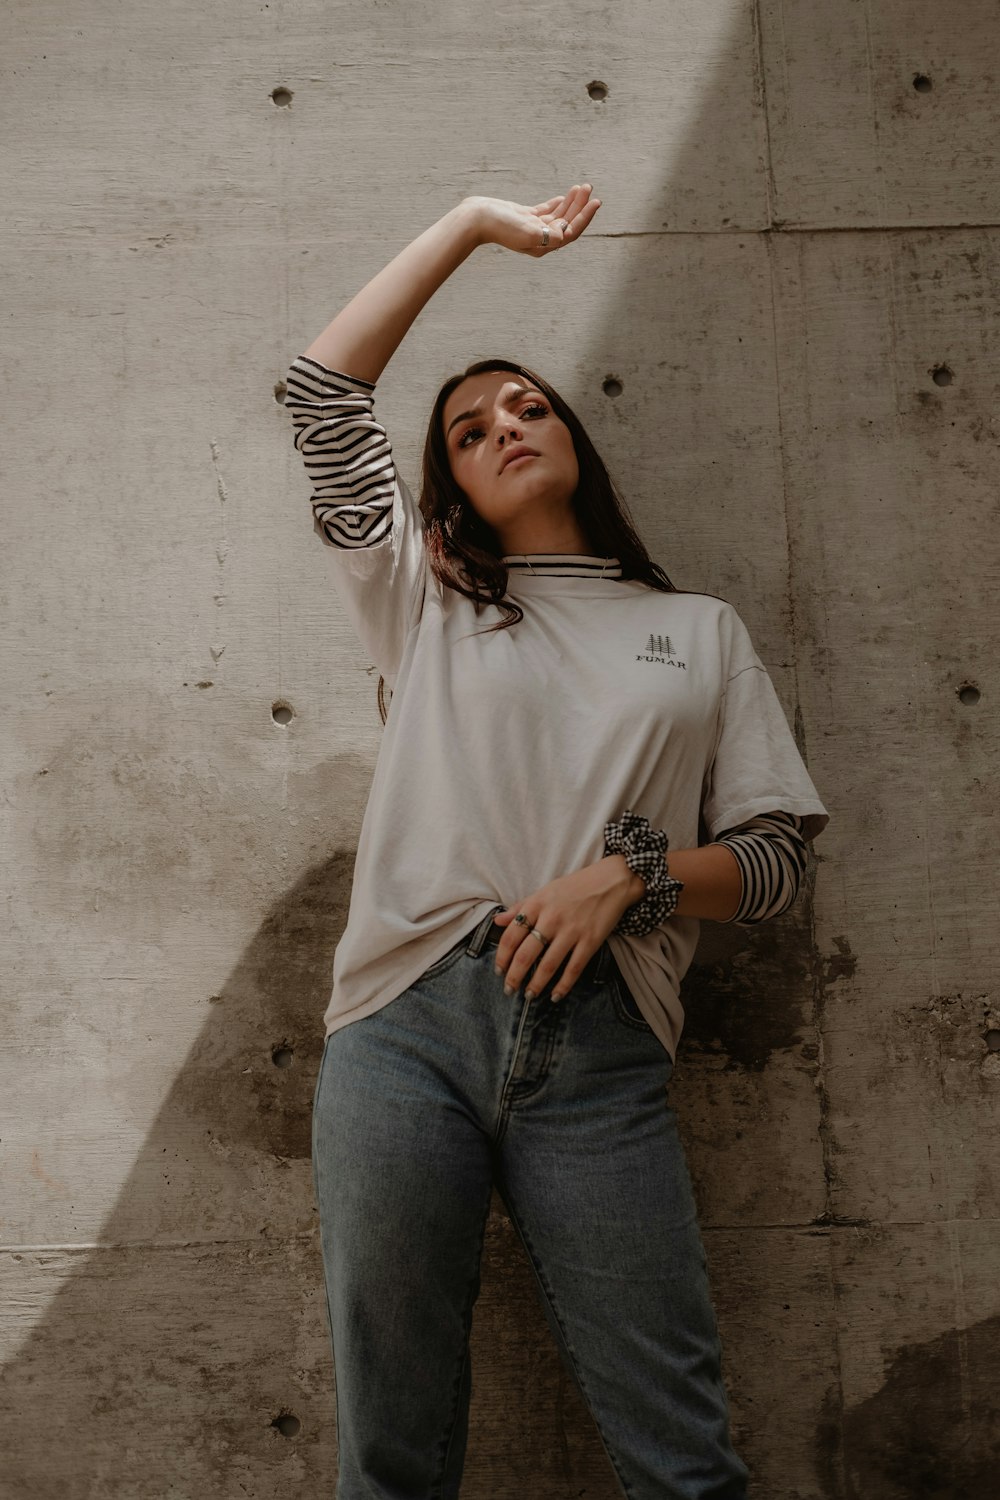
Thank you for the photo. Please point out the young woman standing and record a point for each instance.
(505, 1004)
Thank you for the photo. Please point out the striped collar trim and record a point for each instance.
(563, 565)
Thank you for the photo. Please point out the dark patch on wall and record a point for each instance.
(274, 998)
(840, 965)
(754, 999)
(828, 1448)
(932, 1432)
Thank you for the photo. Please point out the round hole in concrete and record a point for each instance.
(282, 97)
(922, 84)
(992, 1039)
(941, 375)
(286, 1424)
(281, 713)
(280, 392)
(597, 90)
(282, 1057)
(612, 386)
(968, 693)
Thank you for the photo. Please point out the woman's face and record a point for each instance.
(488, 417)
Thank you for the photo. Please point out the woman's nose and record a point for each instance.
(509, 431)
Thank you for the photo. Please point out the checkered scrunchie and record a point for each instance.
(644, 849)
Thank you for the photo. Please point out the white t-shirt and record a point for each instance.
(504, 754)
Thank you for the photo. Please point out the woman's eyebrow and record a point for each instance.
(515, 395)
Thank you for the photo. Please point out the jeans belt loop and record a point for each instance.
(478, 939)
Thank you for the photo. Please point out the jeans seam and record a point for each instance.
(503, 1112)
(621, 1009)
(326, 1285)
(445, 962)
(574, 1362)
(470, 1296)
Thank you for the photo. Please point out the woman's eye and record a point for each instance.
(534, 410)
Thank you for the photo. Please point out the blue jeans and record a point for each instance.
(419, 1110)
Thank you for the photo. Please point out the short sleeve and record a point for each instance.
(756, 766)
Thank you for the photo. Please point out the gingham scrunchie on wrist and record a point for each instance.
(644, 849)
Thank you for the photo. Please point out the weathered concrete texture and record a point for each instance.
(808, 426)
(892, 501)
(921, 1367)
(882, 114)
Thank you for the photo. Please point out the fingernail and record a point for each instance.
(529, 994)
(497, 969)
(508, 989)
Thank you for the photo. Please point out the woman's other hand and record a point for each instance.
(518, 227)
(576, 913)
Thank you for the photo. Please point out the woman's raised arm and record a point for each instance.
(367, 332)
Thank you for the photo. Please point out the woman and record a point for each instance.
(505, 1002)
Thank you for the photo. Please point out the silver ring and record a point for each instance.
(540, 936)
(565, 225)
(545, 236)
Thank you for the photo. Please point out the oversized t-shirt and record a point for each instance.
(504, 754)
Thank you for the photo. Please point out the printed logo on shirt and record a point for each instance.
(659, 649)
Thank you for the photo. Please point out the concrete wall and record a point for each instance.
(794, 278)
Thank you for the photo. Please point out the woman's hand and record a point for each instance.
(517, 227)
(576, 913)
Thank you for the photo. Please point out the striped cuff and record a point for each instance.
(771, 854)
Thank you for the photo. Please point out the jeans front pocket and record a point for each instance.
(445, 962)
(626, 1007)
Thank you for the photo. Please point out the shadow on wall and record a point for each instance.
(202, 1366)
(161, 1368)
(911, 1440)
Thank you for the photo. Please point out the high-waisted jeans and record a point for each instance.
(419, 1110)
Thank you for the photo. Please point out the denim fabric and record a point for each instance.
(419, 1110)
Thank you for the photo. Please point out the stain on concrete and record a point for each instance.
(840, 965)
(948, 1033)
(756, 997)
(932, 1431)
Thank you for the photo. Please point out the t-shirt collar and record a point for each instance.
(563, 565)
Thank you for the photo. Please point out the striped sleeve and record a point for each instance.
(771, 853)
(346, 452)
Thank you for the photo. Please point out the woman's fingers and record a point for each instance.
(530, 951)
(572, 217)
(576, 200)
(549, 959)
(580, 221)
(564, 206)
(556, 955)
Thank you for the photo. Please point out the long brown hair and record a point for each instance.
(465, 551)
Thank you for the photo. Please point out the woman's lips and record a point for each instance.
(521, 458)
(517, 450)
